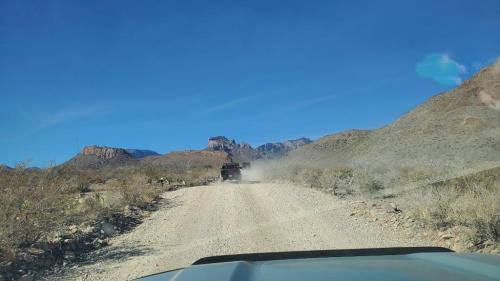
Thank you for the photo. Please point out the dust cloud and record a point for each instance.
(253, 173)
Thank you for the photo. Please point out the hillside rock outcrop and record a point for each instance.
(221, 143)
(104, 151)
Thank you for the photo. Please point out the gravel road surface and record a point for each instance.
(232, 218)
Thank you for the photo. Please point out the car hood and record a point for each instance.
(413, 265)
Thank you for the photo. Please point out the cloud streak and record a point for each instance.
(68, 114)
(227, 105)
(442, 69)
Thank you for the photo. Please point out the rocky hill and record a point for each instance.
(238, 152)
(97, 157)
(459, 129)
(104, 152)
(280, 149)
(244, 152)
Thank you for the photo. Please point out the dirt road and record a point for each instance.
(234, 218)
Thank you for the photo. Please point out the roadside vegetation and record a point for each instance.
(468, 205)
(39, 206)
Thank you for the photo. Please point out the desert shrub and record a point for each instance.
(365, 183)
(36, 202)
(470, 201)
(410, 174)
(479, 211)
(29, 207)
(136, 191)
(290, 172)
(337, 180)
(329, 180)
(310, 177)
(433, 207)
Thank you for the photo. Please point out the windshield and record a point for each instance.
(140, 136)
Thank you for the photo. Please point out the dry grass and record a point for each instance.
(38, 202)
(340, 180)
(31, 205)
(471, 202)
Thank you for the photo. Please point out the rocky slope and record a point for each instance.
(455, 130)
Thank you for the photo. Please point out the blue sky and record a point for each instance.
(166, 75)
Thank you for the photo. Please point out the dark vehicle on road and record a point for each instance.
(230, 171)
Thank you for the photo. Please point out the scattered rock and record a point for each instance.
(458, 247)
(393, 208)
(99, 242)
(36, 251)
(73, 229)
(25, 257)
(69, 255)
(88, 229)
(490, 249)
(488, 243)
(446, 236)
(26, 277)
(357, 202)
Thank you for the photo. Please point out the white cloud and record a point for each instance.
(442, 69)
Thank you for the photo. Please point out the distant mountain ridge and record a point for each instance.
(141, 153)
(244, 152)
(219, 150)
(280, 149)
(111, 152)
